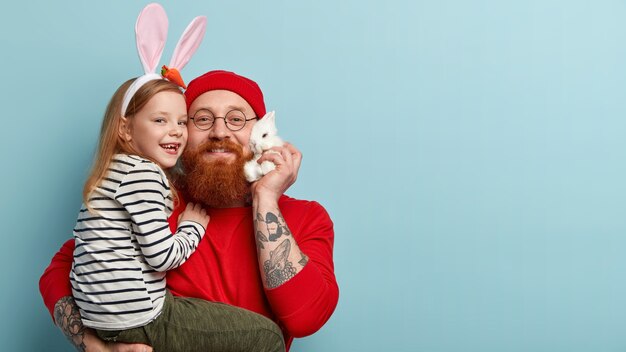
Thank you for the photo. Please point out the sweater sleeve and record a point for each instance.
(304, 303)
(54, 284)
(144, 193)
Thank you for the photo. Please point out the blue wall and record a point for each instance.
(471, 153)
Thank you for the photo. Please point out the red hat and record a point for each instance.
(214, 80)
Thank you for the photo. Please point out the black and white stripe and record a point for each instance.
(123, 250)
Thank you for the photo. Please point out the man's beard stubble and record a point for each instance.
(216, 183)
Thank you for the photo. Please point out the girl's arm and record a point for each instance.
(141, 192)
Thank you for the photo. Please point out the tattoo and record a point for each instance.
(274, 228)
(275, 225)
(67, 318)
(278, 269)
(260, 238)
(283, 223)
(276, 235)
(303, 260)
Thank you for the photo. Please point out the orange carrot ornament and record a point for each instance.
(172, 75)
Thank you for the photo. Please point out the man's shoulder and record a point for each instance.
(287, 201)
(306, 218)
(299, 207)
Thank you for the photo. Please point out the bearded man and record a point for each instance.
(264, 252)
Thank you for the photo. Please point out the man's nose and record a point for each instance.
(219, 129)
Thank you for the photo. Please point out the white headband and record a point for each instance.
(151, 34)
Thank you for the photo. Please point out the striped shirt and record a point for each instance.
(124, 248)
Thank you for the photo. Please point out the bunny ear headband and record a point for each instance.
(151, 33)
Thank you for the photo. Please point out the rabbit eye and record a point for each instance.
(264, 135)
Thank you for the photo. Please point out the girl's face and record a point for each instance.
(159, 130)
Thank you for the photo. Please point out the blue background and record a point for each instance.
(471, 153)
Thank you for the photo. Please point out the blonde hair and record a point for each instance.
(111, 142)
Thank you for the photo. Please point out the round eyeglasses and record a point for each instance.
(234, 119)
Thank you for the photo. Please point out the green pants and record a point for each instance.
(191, 324)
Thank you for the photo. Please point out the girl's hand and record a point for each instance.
(195, 212)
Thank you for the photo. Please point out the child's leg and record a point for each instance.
(190, 324)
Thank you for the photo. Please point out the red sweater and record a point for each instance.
(225, 268)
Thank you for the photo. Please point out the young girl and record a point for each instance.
(123, 241)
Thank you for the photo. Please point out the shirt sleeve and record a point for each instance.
(54, 284)
(304, 303)
(145, 195)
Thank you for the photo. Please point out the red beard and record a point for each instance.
(218, 183)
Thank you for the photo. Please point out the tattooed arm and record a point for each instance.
(67, 318)
(297, 269)
(55, 289)
(279, 256)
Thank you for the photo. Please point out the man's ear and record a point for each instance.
(124, 131)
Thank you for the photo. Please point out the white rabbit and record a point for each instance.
(263, 136)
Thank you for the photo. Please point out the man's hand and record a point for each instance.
(126, 347)
(94, 344)
(287, 160)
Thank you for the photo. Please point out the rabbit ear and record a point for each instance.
(188, 42)
(270, 116)
(151, 33)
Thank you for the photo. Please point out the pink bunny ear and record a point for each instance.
(151, 33)
(189, 42)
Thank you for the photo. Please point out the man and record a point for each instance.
(263, 251)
